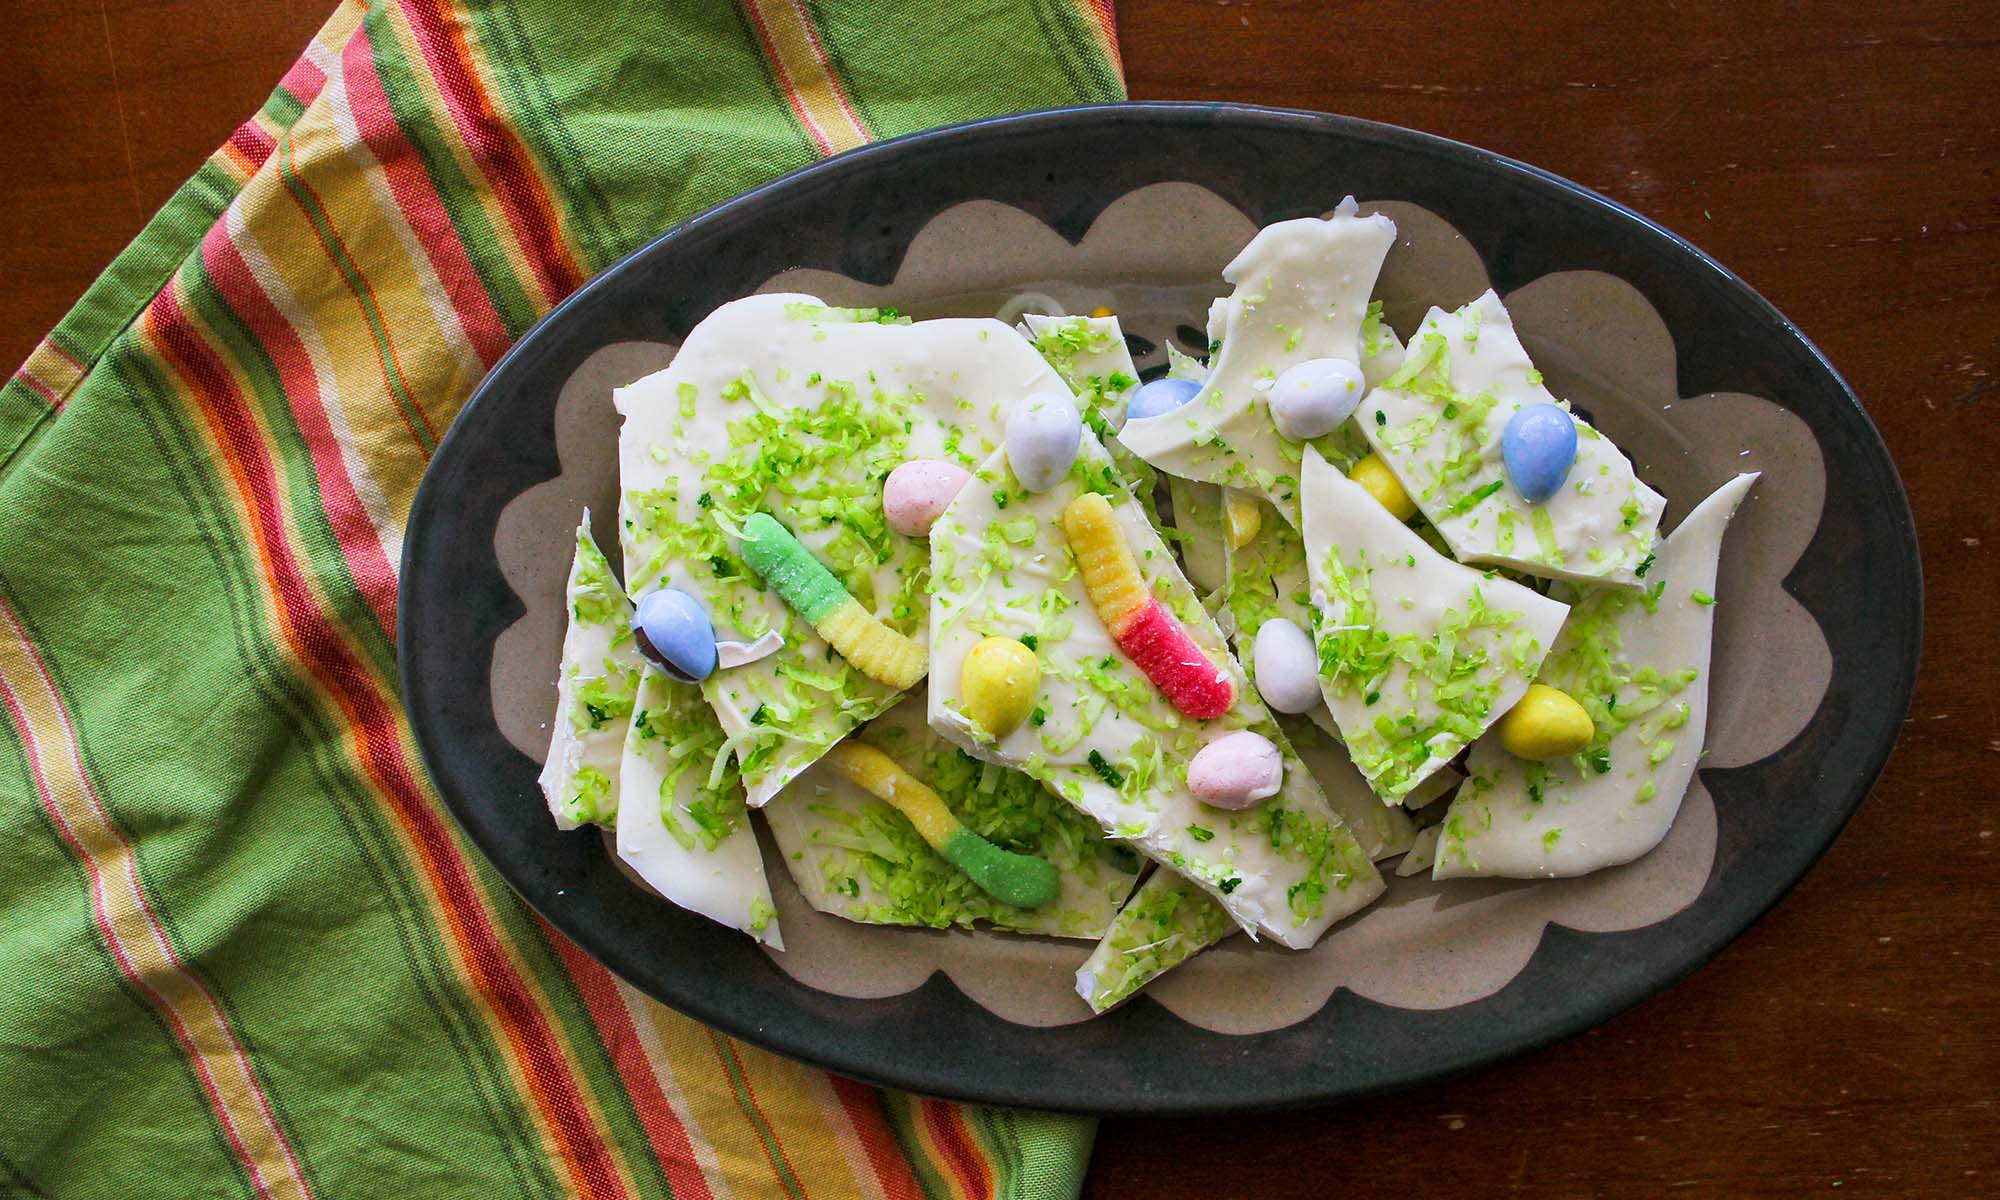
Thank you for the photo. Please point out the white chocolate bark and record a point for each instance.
(1301, 292)
(1638, 661)
(1091, 356)
(1166, 922)
(1106, 740)
(684, 827)
(598, 678)
(855, 857)
(1418, 654)
(1437, 423)
(779, 403)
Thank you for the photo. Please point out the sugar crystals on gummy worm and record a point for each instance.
(811, 590)
(1140, 625)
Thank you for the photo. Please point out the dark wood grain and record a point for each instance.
(1842, 158)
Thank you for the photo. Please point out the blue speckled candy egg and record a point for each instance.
(1313, 397)
(1539, 444)
(1159, 397)
(671, 629)
(1042, 436)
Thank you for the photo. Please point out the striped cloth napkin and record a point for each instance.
(244, 951)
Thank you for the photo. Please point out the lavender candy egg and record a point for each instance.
(1160, 397)
(1313, 397)
(1538, 446)
(674, 633)
(1287, 666)
(1236, 770)
(1043, 433)
(918, 492)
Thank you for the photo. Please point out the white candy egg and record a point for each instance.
(1042, 436)
(916, 494)
(1313, 397)
(1236, 770)
(1287, 666)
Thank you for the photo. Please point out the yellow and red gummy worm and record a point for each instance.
(1141, 626)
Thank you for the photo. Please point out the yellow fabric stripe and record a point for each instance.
(806, 74)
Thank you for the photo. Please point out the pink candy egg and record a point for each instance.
(917, 493)
(1236, 770)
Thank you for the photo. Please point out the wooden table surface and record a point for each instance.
(1841, 157)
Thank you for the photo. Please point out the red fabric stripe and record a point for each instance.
(410, 184)
(954, 1142)
(373, 722)
(496, 147)
(359, 542)
(304, 81)
(1164, 652)
(671, 1145)
(878, 1141)
(253, 143)
(100, 910)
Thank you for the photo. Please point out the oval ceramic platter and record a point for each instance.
(1137, 208)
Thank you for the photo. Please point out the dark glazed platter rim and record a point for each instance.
(856, 214)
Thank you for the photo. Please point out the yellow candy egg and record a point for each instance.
(1100, 311)
(1242, 517)
(999, 682)
(1546, 724)
(1375, 475)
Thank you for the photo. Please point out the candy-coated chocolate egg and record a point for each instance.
(1313, 397)
(672, 630)
(1236, 770)
(1162, 395)
(1042, 436)
(1538, 445)
(999, 682)
(1242, 517)
(1287, 666)
(1546, 723)
(1374, 474)
(918, 492)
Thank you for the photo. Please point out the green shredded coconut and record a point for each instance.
(589, 789)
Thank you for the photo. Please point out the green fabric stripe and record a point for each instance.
(1044, 1155)
(734, 1070)
(1026, 57)
(131, 1052)
(902, 1113)
(536, 117)
(686, 118)
(1078, 50)
(283, 108)
(420, 128)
